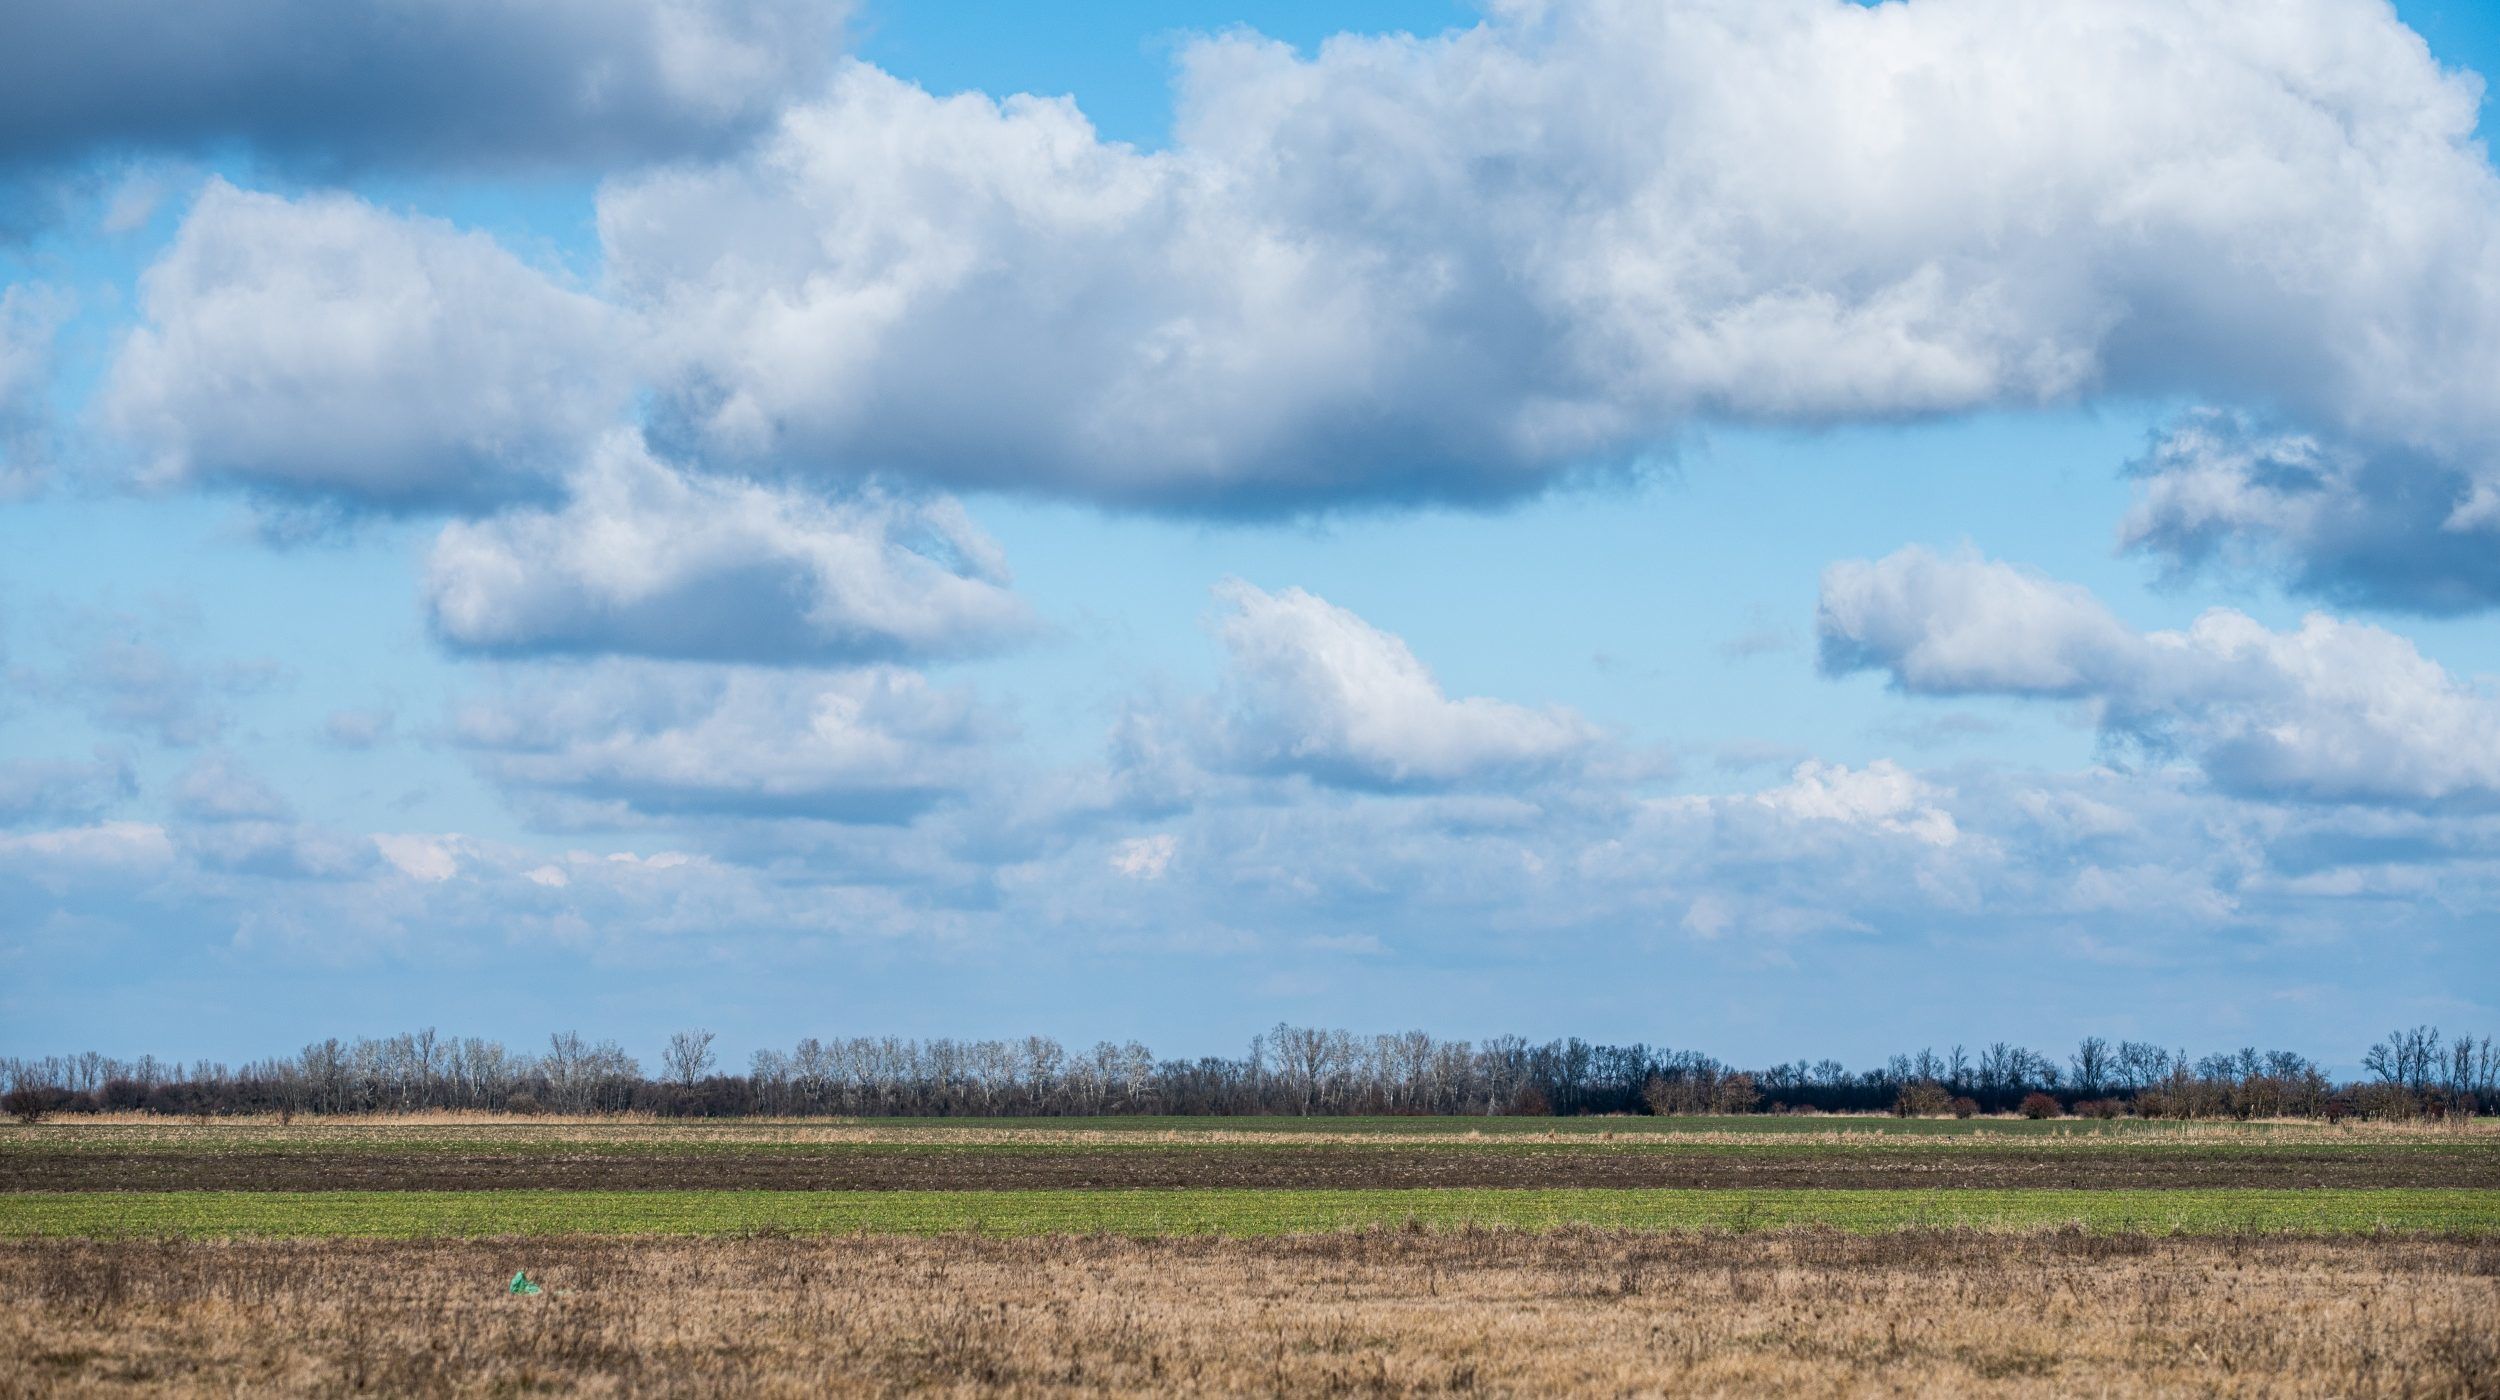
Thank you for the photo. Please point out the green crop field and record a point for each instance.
(425, 1214)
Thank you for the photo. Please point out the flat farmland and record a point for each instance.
(1320, 1256)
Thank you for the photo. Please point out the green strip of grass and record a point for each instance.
(415, 1214)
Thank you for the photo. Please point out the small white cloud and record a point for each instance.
(1945, 626)
(1145, 857)
(1314, 689)
(428, 858)
(1883, 795)
(1709, 916)
(119, 844)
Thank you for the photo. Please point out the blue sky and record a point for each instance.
(1787, 529)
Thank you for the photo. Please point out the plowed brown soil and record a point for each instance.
(844, 1169)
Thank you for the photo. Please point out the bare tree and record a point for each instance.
(2093, 1064)
(688, 1057)
(1305, 1070)
(2406, 1059)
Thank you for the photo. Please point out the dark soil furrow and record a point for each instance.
(835, 1169)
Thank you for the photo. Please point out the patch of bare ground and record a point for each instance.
(1573, 1311)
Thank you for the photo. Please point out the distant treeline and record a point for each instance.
(1291, 1070)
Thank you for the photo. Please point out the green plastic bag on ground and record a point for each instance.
(521, 1282)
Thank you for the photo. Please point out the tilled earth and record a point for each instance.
(850, 1169)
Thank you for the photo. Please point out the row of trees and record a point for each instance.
(1289, 1070)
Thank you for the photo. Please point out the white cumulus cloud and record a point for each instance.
(1314, 689)
(1459, 267)
(648, 560)
(2332, 711)
(1951, 625)
(1463, 266)
(321, 347)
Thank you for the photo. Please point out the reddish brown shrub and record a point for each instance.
(2039, 1105)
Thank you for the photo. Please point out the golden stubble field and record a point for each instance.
(1375, 1313)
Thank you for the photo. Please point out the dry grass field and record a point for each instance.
(1369, 1313)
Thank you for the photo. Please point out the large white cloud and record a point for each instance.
(491, 84)
(1311, 688)
(322, 347)
(1459, 267)
(2334, 711)
(645, 559)
(878, 744)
